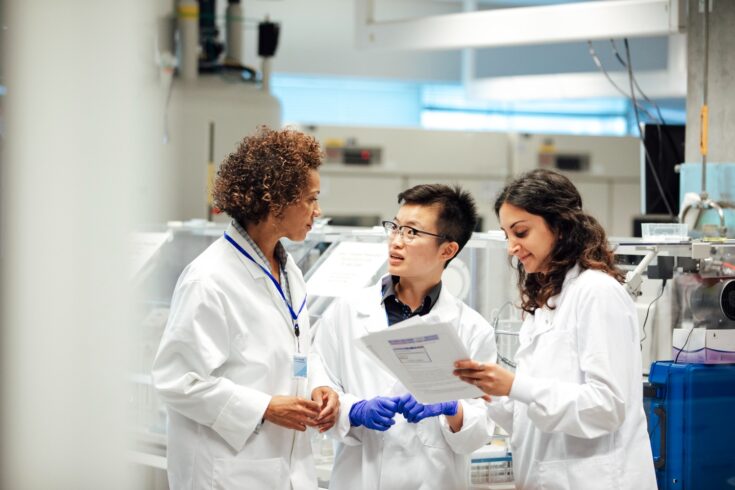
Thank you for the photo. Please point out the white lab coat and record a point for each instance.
(426, 455)
(575, 410)
(227, 349)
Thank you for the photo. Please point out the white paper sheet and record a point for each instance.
(421, 354)
(351, 266)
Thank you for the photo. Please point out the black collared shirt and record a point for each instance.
(396, 310)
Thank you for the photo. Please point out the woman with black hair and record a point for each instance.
(574, 407)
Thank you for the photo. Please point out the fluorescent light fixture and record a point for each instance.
(518, 26)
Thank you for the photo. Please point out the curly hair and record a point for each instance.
(266, 174)
(580, 237)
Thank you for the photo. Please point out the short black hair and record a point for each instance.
(457, 209)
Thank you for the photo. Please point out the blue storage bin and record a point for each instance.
(691, 422)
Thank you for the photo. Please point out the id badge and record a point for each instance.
(299, 366)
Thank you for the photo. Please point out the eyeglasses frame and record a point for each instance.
(399, 230)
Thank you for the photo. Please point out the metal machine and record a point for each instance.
(212, 102)
(702, 294)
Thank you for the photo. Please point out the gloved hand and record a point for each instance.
(414, 411)
(376, 413)
(408, 406)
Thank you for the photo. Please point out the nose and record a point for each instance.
(317, 210)
(513, 247)
(395, 238)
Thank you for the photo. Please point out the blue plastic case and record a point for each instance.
(691, 422)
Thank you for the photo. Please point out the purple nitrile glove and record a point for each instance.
(409, 406)
(376, 413)
(406, 402)
(420, 412)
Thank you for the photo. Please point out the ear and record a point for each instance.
(449, 250)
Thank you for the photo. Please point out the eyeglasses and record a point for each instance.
(407, 233)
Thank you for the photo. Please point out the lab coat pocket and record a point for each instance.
(595, 473)
(234, 473)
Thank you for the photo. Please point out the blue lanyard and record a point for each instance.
(294, 315)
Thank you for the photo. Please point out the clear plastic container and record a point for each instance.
(665, 232)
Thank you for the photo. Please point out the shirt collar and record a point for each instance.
(388, 288)
(280, 251)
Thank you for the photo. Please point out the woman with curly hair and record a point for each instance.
(232, 363)
(574, 406)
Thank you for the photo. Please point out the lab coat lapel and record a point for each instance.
(258, 274)
(297, 287)
(543, 318)
(446, 309)
(371, 317)
(370, 310)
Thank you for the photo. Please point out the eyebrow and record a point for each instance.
(407, 223)
(517, 222)
(513, 225)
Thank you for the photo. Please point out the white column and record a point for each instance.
(79, 139)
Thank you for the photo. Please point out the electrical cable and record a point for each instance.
(661, 120)
(600, 66)
(648, 310)
(640, 133)
(684, 346)
(636, 107)
(669, 139)
(635, 82)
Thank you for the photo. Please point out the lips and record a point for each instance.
(394, 259)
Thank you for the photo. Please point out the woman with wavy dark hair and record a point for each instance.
(232, 363)
(573, 407)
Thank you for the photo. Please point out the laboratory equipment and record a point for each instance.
(188, 32)
(492, 466)
(235, 26)
(702, 296)
(689, 409)
(708, 206)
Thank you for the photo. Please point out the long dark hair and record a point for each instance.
(580, 237)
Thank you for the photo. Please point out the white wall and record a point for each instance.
(481, 162)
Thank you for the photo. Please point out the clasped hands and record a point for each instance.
(377, 413)
(299, 413)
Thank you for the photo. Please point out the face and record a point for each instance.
(425, 256)
(298, 218)
(529, 237)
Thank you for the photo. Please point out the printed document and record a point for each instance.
(421, 354)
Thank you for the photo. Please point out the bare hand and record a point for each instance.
(328, 402)
(292, 412)
(490, 378)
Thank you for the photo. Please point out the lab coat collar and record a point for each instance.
(254, 270)
(297, 287)
(569, 278)
(369, 304)
(544, 317)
